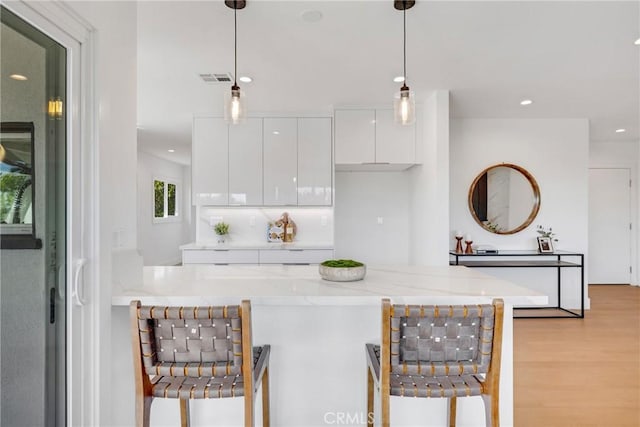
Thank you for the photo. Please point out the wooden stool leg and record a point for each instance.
(185, 419)
(451, 422)
(249, 411)
(265, 398)
(384, 409)
(369, 398)
(143, 410)
(491, 409)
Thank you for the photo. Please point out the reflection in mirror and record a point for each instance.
(504, 199)
(16, 178)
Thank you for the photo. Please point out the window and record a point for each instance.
(165, 200)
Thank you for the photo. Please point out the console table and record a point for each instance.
(529, 259)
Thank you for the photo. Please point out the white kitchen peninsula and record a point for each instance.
(317, 331)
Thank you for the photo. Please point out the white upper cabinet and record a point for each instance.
(370, 138)
(210, 162)
(355, 136)
(280, 165)
(314, 162)
(245, 163)
(394, 143)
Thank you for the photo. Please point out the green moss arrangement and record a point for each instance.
(341, 263)
(221, 228)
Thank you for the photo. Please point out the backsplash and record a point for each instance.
(249, 225)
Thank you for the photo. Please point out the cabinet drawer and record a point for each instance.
(295, 256)
(220, 256)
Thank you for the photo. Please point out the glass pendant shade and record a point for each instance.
(404, 107)
(235, 106)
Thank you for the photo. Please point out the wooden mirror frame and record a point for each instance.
(536, 198)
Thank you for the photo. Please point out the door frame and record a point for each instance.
(634, 233)
(83, 374)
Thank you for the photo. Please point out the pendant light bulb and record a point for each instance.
(235, 106)
(404, 107)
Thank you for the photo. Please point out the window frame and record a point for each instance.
(166, 218)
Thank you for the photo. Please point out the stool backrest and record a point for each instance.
(447, 339)
(190, 341)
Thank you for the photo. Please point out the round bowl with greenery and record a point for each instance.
(342, 270)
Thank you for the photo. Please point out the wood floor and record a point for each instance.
(581, 372)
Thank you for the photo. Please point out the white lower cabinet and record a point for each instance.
(295, 256)
(220, 256)
(255, 256)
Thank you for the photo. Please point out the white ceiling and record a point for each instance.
(574, 59)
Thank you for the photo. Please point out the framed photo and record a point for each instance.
(545, 245)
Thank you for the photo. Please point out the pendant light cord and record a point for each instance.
(235, 43)
(404, 15)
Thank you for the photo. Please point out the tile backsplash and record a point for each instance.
(249, 225)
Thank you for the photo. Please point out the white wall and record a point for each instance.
(556, 153)
(361, 199)
(158, 242)
(622, 154)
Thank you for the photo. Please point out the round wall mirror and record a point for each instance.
(504, 198)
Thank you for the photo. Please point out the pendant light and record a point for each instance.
(404, 103)
(235, 105)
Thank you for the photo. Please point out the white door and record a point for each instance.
(609, 226)
(280, 161)
(314, 161)
(77, 392)
(245, 163)
(355, 139)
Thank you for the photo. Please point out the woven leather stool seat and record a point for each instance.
(417, 385)
(197, 353)
(437, 352)
(198, 381)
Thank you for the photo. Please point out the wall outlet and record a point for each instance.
(323, 220)
(252, 221)
(380, 220)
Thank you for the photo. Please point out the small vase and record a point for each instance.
(221, 239)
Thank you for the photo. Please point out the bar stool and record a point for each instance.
(197, 353)
(437, 352)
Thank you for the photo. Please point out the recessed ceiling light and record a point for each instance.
(398, 79)
(621, 130)
(245, 79)
(276, 132)
(526, 102)
(171, 150)
(18, 77)
(311, 16)
(637, 42)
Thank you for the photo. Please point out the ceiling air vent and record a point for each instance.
(216, 77)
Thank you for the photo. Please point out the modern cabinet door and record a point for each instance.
(394, 143)
(314, 162)
(355, 136)
(209, 161)
(245, 163)
(280, 163)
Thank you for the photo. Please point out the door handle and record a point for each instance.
(77, 298)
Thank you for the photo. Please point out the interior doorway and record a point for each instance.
(609, 226)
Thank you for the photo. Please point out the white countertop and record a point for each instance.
(256, 245)
(302, 285)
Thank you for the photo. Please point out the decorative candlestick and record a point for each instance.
(468, 241)
(459, 244)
